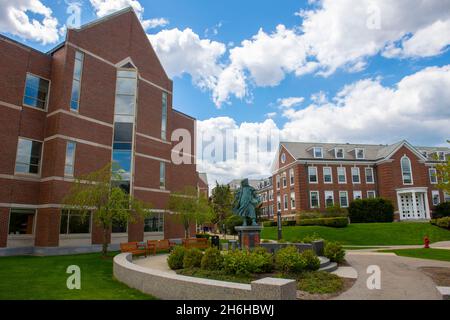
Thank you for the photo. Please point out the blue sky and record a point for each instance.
(360, 71)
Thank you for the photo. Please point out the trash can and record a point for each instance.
(215, 242)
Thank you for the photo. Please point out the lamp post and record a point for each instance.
(280, 235)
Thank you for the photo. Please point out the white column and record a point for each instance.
(399, 205)
(427, 206)
(414, 204)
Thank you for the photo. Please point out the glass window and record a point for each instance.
(292, 200)
(36, 92)
(70, 158)
(446, 196)
(73, 222)
(355, 175)
(312, 173)
(314, 198)
(329, 199)
(371, 194)
(291, 176)
(441, 155)
(285, 201)
(436, 197)
(327, 175)
(342, 176)
(343, 199)
(369, 175)
(21, 221)
(122, 163)
(357, 195)
(318, 153)
(164, 117)
(162, 174)
(76, 82)
(339, 153)
(359, 153)
(28, 156)
(284, 180)
(279, 203)
(278, 182)
(406, 170)
(433, 175)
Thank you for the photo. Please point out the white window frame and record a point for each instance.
(278, 182)
(331, 175)
(410, 168)
(309, 175)
(285, 202)
(283, 158)
(446, 196)
(439, 153)
(357, 192)
(435, 193)
(363, 153)
(73, 160)
(292, 200)
(371, 192)
(278, 203)
(317, 149)
(336, 153)
(345, 175)
(318, 200)
(291, 177)
(346, 196)
(326, 194)
(372, 174)
(284, 179)
(430, 170)
(270, 195)
(359, 175)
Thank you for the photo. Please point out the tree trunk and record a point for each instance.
(105, 242)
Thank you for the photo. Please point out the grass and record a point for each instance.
(38, 278)
(319, 282)
(431, 254)
(370, 234)
(216, 275)
(359, 248)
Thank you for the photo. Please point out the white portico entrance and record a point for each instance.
(413, 204)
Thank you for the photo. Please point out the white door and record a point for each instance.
(406, 206)
(420, 205)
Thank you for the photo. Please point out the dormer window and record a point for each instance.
(318, 152)
(441, 155)
(425, 154)
(339, 153)
(359, 152)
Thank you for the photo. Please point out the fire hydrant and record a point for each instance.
(426, 241)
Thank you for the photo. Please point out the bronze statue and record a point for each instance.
(245, 202)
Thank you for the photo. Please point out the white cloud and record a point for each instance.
(290, 102)
(105, 7)
(182, 51)
(15, 19)
(271, 115)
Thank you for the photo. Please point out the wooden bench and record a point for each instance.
(159, 245)
(133, 248)
(199, 243)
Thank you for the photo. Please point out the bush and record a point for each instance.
(192, 259)
(288, 223)
(231, 222)
(338, 222)
(371, 210)
(442, 210)
(261, 260)
(175, 259)
(212, 259)
(268, 224)
(443, 222)
(335, 211)
(311, 259)
(310, 238)
(236, 262)
(202, 236)
(289, 260)
(334, 252)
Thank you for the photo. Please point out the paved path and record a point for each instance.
(400, 277)
(436, 245)
(158, 262)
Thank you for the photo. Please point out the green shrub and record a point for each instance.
(337, 222)
(268, 224)
(202, 236)
(231, 222)
(261, 261)
(212, 259)
(236, 262)
(311, 259)
(334, 251)
(443, 222)
(288, 223)
(192, 258)
(442, 210)
(310, 215)
(371, 210)
(175, 259)
(309, 238)
(289, 260)
(335, 211)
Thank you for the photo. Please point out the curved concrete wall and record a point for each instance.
(169, 286)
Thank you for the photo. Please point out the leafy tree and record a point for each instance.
(96, 193)
(189, 207)
(222, 203)
(443, 175)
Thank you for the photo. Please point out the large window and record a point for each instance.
(36, 92)
(162, 174)
(369, 175)
(21, 221)
(164, 117)
(76, 82)
(73, 222)
(329, 199)
(291, 176)
(312, 174)
(292, 200)
(343, 199)
(70, 158)
(433, 175)
(342, 175)
(314, 199)
(406, 170)
(28, 156)
(327, 175)
(355, 175)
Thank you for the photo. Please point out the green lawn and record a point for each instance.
(432, 254)
(370, 234)
(28, 277)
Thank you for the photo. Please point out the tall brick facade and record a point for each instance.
(106, 46)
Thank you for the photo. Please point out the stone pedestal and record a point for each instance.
(249, 236)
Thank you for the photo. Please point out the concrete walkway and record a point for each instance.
(400, 277)
(158, 262)
(437, 245)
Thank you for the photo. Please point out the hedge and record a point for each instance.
(338, 222)
(442, 222)
(371, 210)
(270, 224)
(442, 210)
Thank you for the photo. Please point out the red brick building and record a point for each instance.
(102, 95)
(313, 176)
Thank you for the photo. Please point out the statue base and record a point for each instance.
(249, 236)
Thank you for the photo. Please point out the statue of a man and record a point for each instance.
(245, 202)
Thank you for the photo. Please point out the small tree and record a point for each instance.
(443, 175)
(96, 193)
(221, 203)
(189, 207)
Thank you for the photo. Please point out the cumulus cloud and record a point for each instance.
(15, 18)
(290, 102)
(105, 7)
